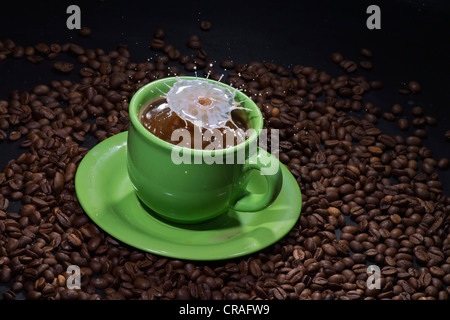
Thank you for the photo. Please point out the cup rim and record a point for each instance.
(134, 108)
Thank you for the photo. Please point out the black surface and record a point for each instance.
(411, 45)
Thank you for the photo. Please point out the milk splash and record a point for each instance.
(203, 103)
(209, 106)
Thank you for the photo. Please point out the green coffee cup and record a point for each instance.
(192, 193)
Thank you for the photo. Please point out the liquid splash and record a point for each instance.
(203, 103)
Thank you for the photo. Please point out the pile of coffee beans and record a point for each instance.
(369, 198)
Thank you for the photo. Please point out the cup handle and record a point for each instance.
(251, 202)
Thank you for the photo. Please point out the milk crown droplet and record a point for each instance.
(200, 101)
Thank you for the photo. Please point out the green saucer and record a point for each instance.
(106, 194)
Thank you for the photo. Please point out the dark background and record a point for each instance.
(413, 44)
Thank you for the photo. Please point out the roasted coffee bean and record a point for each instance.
(366, 53)
(417, 111)
(388, 116)
(279, 293)
(447, 135)
(205, 25)
(157, 44)
(85, 32)
(18, 52)
(99, 282)
(190, 66)
(348, 65)
(194, 42)
(443, 164)
(34, 295)
(9, 295)
(159, 33)
(182, 294)
(403, 124)
(420, 133)
(15, 135)
(430, 120)
(76, 49)
(255, 269)
(41, 89)
(58, 182)
(142, 283)
(174, 54)
(367, 65)
(414, 86)
(62, 66)
(70, 172)
(397, 109)
(336, 57)
(376, 85)
(421, 256)
(418, 122)
(5, 274)
(388, 141)
(74, 240)
(42, 48)
(329, 249)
